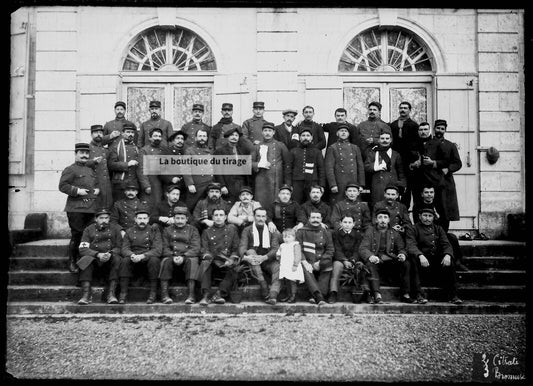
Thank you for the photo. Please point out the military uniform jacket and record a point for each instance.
(145, 241)
(217, 139)
(382, 178)
(358, 209)
(165, 209)
(451, 159)
(371, 129)
(252, 129)
(409, 136)
(123, 212)
(167, 178)
(102, 174)
(333, 127)
(319, 139)
(286, 214)
(197, 179)
(344, 164)
(307, 164)
(317, 245)
(247, 242)
(220, 241)
(428, 240)
(190, 128)
(184, 241)
(117, 124)
(226, 179)
(399, 215)
(97, 240)
(289, 139)
(144, 133)
(417, 207)
(346, 245)
(370, 244)
(79, 176)
(119, 156)
(321, 206)
(205, 207)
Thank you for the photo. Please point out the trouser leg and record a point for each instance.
(227, 282)
(373, 277)
(153, 266)
(311, 282)
(191, 267)
(117, 191)
(166, 269)
(87, 273)
(324, 278)
(298, 191)
(405, 279)
(275, 284)
(338, 268)
(457, 253)
(204, 275)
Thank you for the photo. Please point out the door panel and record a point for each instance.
(416, 96)
(185, 97)
(138, 101)
(356, 100)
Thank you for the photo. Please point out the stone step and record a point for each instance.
(492, 277)
(21, 263)
(492, 293)
(494, 262)
(102, 310)
(42, 248)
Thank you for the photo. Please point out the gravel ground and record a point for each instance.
(260, 346)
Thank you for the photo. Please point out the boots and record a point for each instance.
(72, 255)
(165, 298)
(86, 293)
(264, 289)
(153, 292)
(190, 298)
(292, 292)
(111, 297)
(205, 298)
(124, 284)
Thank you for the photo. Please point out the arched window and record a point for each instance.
(169, 48)
(387, 50)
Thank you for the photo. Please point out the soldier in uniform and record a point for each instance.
(100, 250)
(319, 139)
(80, 183)
(125, 163)
(216, 137)
(141, 251)
(371, 129)
(316, 204)
(220, 248)
(113, 129)
(399, 215)
(344, 163)
(285, 213)
(155, 121)
(351, 205)
(98, 156)
(163, 213)
(286, 133)
(123, 212)
(252, 128)
(203, 210)
(190, 128)
(154, 148)
(181, 247)
(197, 183)
(340, 120)
(176, 147)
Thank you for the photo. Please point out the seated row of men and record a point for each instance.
(216, 238)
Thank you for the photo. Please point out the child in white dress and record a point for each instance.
(290, 267)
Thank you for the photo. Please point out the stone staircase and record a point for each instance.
(39, 283)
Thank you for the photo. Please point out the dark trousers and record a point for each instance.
(117, 191)
(130, 269)
(317, 281)
(155, 197)
(271, 268)
(207, 268)
(338, 269)
(77, 221)
(234, 186)
(392, 269)
(192, 198)
(301, 189)
(437, 274)
(190, 266)
(457, 253)
(109, 269)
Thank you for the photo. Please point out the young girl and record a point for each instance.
(290, 256)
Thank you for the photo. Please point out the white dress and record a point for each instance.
(286, 261)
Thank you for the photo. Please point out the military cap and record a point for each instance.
(154, 129)
(492, 155)
(259, 105)
(155, 104)
(427, 210)
(382, 211)
(306, 129)
(343, 126)
(81, 146)
(377, 104)
(197, 106)
(214, 185)
(142, 210)
(96, 128)
(128, 126)
(181, 210)
(285, 186)
(439, 122)
(102, 211)
(268, 125)
(120, 103)
(176, 133)
(231, 131)
(246, 189)
(390, 186)
(228, 106)
(352, 185)
(131, 186)
(290, 111)
(170, 188)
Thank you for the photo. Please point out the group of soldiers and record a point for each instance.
(125, 223)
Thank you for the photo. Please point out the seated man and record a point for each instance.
(204, 208)
(315, 203)
(317, 259)
(163, 213)
(241, 213)
(346, 241)
(100, 251)
(382, 249)
(219, 250)
(351, 205)
(258, 248)
(432, 252)
(141, 253)
(284, 212)
(123, 211)
(399, 215)
(181, 247)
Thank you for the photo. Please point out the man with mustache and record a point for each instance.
(316, 204)
(155, 121)
(141, 254)
(371, 129)
(163, 213)
(216, 138)
(252, 128)
(197, 184)
(351, 205)
(80, 183)
(176, 146)
(307, 166)
(98, 157)
(113, 129)
(399, 215)
(319, 139)
(341, 116)
(203, 211)
(190, 128)
(154, 148)
(241, 213)
(285, 213)
(123, 212)
(100, 251)
(286, 132)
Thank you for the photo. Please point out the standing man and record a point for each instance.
(154, 148)
(80, 183)
(371, 129)
(98, 156)
(113, 129)
(319, 139)
(271, 165)
(155, 121)
(404, 137)
(125, 161)
(190, 128)
(252, 128)
(176, 146)
(216, 138)
(307, 166)
(340, 120)
(197, 183)
(344, 163)
(286, 132)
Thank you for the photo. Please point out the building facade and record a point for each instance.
(69, 65)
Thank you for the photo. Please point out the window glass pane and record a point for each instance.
(184, 98)
(356, 100)
(138, 101)
(417, 97)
